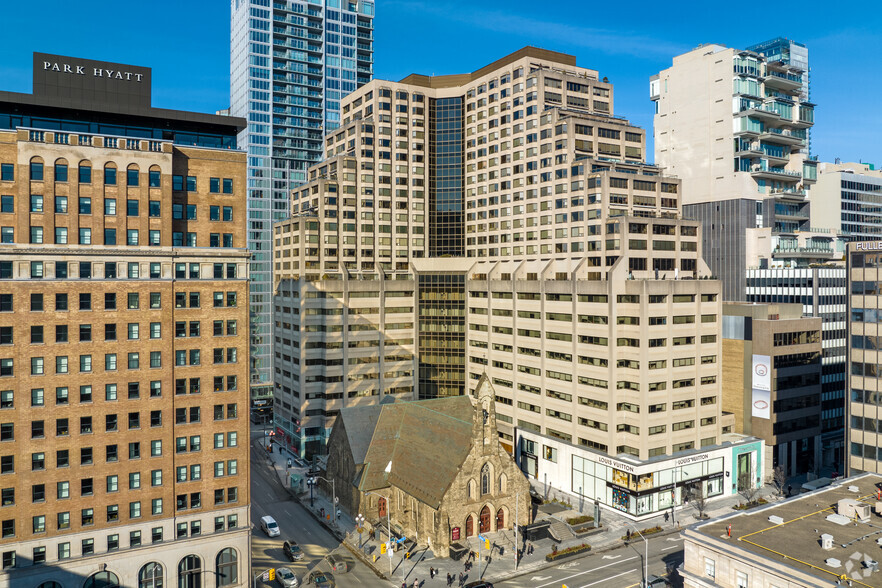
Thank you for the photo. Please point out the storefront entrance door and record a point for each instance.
(743, 471)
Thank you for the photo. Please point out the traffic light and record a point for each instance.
(486, 544)
(383, 547)
(272, 574)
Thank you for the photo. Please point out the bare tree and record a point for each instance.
(779, 480)
(699, 500)
(750, 492)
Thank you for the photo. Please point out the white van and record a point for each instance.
(269, 526)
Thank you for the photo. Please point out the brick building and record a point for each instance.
(124, 322)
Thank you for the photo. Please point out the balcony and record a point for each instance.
(804, 252)
(784, 136)
(783, 81)
(774, 173)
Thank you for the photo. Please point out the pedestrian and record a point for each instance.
(460, 579)
(667, 516)
(431, 573)
(449, 580)
(416, 583)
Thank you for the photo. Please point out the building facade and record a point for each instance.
(557, 213)
(772, 380)
(864, 261)
(123, 280)
(291, 63)
(846, 200)
(740, 148)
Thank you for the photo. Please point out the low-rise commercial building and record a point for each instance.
(825, 538)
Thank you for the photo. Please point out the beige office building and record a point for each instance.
(499, 222)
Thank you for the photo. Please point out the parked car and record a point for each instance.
(292, 551)
(286, 578)
(269, 526)
(657, 582)
(321, 579)
(479, 584)
(338, 564)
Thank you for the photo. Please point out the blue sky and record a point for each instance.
(186, 42)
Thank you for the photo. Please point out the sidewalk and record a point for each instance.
(500, 565)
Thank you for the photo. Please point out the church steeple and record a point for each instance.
(485, 416)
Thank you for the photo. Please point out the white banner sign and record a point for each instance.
(761, 404)
(761, 373)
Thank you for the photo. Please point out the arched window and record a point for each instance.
(485, 479)
(503, 484)
(49, 584)
(471, 489)
(102, 580)
(150, 576)
(190, 572)
(227, 564)
(110, 174)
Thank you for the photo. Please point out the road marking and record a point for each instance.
(670, 548)
(539, 578)
(615, 556)
(674, 539)
(608, 579)
(568, 565)
(589, 571)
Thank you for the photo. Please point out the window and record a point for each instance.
(7, 174)
(109, 176)
(132, 177)
(84, 174)
(227, 564)
(36, 171)
(151, 575)
(741, 580)
(155, 179)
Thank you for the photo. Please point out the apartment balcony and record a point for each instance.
(749, 148)
(783, 80)
(774, 173)
(784, 136)
(788, 194)
(763, 113)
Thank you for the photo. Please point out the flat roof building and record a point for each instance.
(829, 537)
(123, 335)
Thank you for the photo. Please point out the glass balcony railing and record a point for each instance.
(785, 76)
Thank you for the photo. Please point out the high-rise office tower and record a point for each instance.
(503, 222)
(291, 62)
(733, 125)
(123, 349)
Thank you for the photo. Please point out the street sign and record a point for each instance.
(400, 539)
(265, 576)
(482, 538)
(389, 551)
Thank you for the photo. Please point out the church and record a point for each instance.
(434, 470)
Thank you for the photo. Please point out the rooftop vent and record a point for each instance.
(838, 519)
(832, 562)
(826, 541)
(871, 564)
(776, 520)
(854, 489)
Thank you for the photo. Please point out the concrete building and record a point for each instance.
(291, 62)
(123, 289)
(864, 261)
(732, 125)
(772, 380)
(846, 200)
(534, 223)
(821, 292)
(824, 538)
(431, 470)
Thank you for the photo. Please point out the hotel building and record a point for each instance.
(123, 342)
(291, 63)
(499, 222)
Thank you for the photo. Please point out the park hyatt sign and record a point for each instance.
(91, 85)
(98, 72)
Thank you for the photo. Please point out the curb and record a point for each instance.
(358, 554)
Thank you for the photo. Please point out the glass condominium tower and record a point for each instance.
(291, 62)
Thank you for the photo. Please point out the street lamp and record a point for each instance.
(645, 559)
(359, 525)
(311, 482)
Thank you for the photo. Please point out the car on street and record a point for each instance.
(657, 582)
(321, 579)
(269, 526)
(338, 564)
(286, 578)
(292, 551)
(479, 584)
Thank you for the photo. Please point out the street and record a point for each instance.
(620, 568)
(269, 498)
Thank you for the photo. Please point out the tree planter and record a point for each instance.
(569, 552)
(649, 531)
(587, 529)
(750, 505)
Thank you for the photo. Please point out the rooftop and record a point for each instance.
(796, 542)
